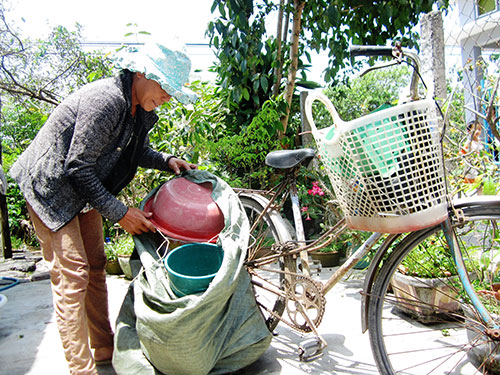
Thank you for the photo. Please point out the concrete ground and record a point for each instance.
(30, 344)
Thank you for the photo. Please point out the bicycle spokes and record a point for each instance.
(422, 318)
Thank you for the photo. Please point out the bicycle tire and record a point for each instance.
(410, 335)
(270, 231)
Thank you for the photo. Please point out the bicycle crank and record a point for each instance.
(305, 303)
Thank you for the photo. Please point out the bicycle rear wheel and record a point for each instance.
(428, 326)
(270, 281)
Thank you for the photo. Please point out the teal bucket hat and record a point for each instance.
(169, 67)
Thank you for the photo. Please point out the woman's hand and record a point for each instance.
(176, 165)
(137, 221)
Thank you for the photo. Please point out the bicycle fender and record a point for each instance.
(275, 216)
(370, 277)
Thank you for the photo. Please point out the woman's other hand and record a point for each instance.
(177, 165)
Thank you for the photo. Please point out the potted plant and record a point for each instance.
(427, 277)
(340, 248)
(124, 247)
(112, 266)
(331, 255)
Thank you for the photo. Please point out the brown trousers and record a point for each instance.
(76, 258)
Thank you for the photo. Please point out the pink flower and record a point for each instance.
(305, 209)
(316, 190)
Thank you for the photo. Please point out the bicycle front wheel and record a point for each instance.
(420, 319)
(270, 282)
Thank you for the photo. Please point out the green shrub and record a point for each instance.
(122, 245)
(240, 157)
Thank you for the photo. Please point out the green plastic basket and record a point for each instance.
(377, 145)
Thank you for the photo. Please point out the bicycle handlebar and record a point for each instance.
(371, 51)
(397, 53)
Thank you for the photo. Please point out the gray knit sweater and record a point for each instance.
(64, 167)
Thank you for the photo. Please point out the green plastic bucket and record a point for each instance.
(191, 267)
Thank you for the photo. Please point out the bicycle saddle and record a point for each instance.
(285, 159)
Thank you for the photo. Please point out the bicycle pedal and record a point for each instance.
(311, 349)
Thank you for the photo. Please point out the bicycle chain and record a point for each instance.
(316, 286)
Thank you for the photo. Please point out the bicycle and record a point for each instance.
(459, 237)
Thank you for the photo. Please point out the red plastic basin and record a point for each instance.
(185, 211)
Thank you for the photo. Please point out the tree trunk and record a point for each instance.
(298, 6)
(278, 70)
(6, 242)
(4, 213)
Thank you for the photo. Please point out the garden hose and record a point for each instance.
(14, 282)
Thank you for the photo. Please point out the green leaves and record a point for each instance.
(264, 83)
(245, 61)
(248, 58)
(240, 156)
(365, 94)
(245, 93)
(334, 25)
(333, 14)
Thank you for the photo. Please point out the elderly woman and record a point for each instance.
(87, 151)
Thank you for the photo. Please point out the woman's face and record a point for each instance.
(148, 93)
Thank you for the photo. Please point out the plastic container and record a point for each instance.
(386, 168)
(192, 267)
(185, 211)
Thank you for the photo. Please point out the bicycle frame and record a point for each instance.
(288, 188)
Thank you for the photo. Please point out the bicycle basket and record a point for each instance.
(386, 168)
